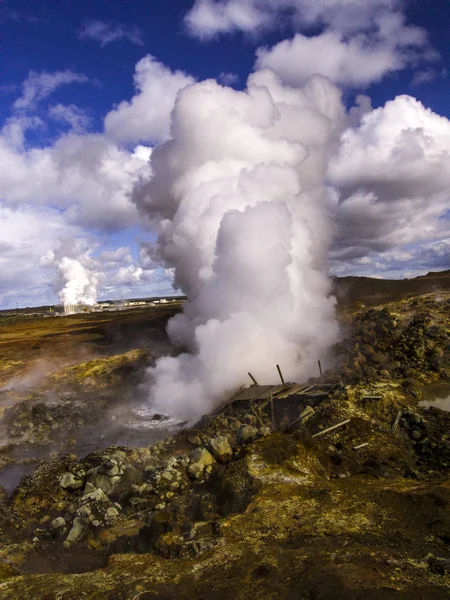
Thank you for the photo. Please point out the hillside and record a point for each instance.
(372, 292)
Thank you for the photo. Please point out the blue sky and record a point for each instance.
(89, 51)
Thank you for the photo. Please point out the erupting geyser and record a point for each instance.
(239, 200)
(80, 285)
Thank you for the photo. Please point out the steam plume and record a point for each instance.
(80, 284)
(238, 197)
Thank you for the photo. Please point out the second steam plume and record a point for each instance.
(79, 285)
(239, 201)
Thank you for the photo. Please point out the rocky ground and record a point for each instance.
(240, 507)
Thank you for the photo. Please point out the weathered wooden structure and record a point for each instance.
(283, 404)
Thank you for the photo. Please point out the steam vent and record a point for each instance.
(72, 309)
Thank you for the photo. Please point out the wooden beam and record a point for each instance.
(257, 415)
(272, 413)
(341, 424)
(280, 374)
(252, 378)
(360, 446)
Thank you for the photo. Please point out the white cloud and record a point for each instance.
(15, 128)
(70, 114)
(105, 33)
(86, 176)
(208, 18)
(399, 262)
(38, 86)
(356, 61)
(393, 176)
(52, 196)
(228, 78)
(425, 76)
(146, 118)
(361, 41)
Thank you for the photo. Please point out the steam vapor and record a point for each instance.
(80, 284)
(239, 201)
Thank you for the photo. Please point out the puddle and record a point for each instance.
(437, 395)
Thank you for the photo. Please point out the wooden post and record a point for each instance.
(252, 378)
(280, 374)
(341, 424)
(320, 371)
(271, 408)
(396, 422)
(256, 415)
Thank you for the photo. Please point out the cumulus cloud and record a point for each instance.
(106, 33)
(38, 86)
(71, 115)
(146, 118)
(399, 262)
(15, 129)
(86, 176)
(361, 40)
(392, 174)
(208, 18)
(357, 60)
(77, 183)
(238, 196)
(228, 78)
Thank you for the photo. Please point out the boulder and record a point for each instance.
(221, 449)
(246, 434)
(75, 533)
(58, 523)
(201, 459)
(69, 481)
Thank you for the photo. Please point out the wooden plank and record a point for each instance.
(257, 415)
(341, 424)
(360, 446)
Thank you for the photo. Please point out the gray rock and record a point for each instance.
(201, 455)
(69, 481)
(111, 514)
(101, 481)
(196, 470)
(167, 475)
(221, 449)
(246, 434)
(88, 488)
(84, 511)
(97, 495)
(75, 533)
(115, 470)
(58, 523)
